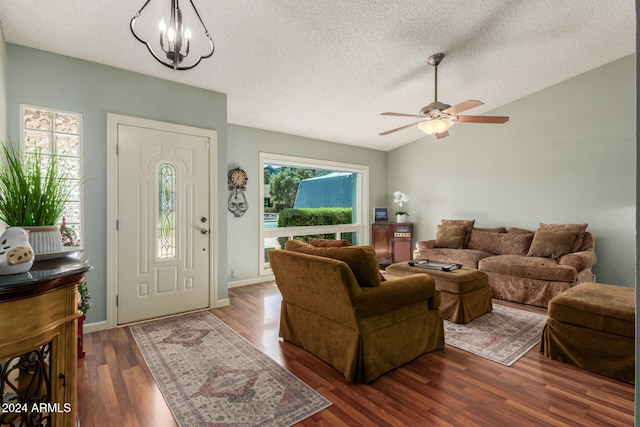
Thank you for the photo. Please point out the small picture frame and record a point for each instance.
(380, 214)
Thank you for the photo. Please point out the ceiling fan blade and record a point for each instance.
(442, 134)
(483, 119)
(397, 129)
(463, 106)
(400, 115)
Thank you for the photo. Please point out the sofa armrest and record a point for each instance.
(579, 260)
(425, 244)
(397, 293)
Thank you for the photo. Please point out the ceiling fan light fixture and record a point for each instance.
(175, 37)
(435, 125)
(438, 117)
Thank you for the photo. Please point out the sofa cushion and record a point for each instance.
(551, 244)
(361, 259)
(466, 223)
(450, 236)
(467, 257)
(500, 243)
(530, 267)
(328, 243)
(579, 229)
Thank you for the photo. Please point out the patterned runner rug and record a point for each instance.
(503, 336)
(211, 376)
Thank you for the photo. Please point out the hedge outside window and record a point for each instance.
(307, 198)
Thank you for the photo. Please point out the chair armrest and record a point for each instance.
(396, 293)
(579, 260)
(425, 244)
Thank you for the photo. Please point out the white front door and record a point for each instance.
(163, 223)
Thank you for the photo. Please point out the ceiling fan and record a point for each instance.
(437, 117)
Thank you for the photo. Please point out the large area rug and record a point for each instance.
(503, 336)
(211, 376)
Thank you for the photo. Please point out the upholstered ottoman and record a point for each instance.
(592, 326)
(465, 292)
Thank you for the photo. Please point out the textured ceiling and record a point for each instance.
(326, 69)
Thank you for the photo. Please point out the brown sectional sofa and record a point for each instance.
(524, 266)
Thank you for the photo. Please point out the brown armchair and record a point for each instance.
(363, 332)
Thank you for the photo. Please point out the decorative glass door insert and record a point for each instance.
(167, 211)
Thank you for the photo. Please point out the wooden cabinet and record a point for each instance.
(392, 241)
(38, 346)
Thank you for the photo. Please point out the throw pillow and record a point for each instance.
(587, 242)
(579, 229)
(485, 241)
(328, 243)
(516, 230)
(515, 244)
(491, 229)
(551, 244)
(466, 223)
(450, 236)
(500, 243)
(360, 259)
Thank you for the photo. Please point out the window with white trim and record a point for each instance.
(295, 186)
(56, 132)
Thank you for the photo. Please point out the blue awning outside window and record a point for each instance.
(334, 190)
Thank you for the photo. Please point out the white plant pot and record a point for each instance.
(44, 239)
(401, 218)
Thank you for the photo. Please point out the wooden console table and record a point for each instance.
(38, 343)
(392, 241)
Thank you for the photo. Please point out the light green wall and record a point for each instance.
(60, 82)
(3, 86)
(245, 144)
(49, 80)
(567, 155)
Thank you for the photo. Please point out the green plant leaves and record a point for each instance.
(33, 188)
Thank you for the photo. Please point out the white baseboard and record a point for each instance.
(222, 303)
(252, 281)
(102, 326)
(87, 328)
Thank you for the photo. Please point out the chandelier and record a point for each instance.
(177, 38)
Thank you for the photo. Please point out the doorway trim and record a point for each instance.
(113, 121)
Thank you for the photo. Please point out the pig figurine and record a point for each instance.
(16, 254)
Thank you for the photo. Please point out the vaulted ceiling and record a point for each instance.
(325, 69)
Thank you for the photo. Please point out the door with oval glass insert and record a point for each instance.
(163, 223)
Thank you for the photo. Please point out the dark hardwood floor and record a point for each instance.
(443, 388)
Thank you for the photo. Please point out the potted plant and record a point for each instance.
(84, 304)
(400, 198)
(69, 234)
(33, 195)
